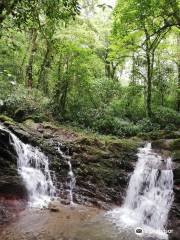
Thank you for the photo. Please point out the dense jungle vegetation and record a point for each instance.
(113, 68)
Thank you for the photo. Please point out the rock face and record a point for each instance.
(101, 167)
(175, 212)
(173, 146)
(10, 181)
(12, 191)
(102, 170)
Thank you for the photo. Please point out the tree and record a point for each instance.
(32, 50)
(24, 10)
(178, 67)
(148, 19)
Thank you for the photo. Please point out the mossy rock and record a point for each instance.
(162, 144)
(172, 135)
(161, 134)
(175, 145)
(7, 120)
(85, 141)
(20, 114)
(50, 125)
(29, 123)
(151, 135)
(123, 145)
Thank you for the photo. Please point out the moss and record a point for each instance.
(95, 150)
(29, 123)
(50, 125)
(154, 135)
(7, 120)
(123, 145)
(161, 134)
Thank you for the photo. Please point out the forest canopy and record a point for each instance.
(109, 68)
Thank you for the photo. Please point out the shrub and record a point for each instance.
(20, 103)
(116, 126)
(166, 116)
(146, 125)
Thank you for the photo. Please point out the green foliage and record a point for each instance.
(115, 126)
(53, 64)
(26, 11)
(166, 117)
(146, 125)
(130, 105)
(21, 103)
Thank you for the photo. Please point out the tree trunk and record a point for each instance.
(63, 97)
(178, 67)
(150, 65)
(178, 89)
(43, 73)
(61, 89)
(133, 69)
(107, 69)
(149, 87)
(113, 71)
(29, 68)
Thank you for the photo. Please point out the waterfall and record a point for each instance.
(71, 176)
(72, 182)
(149, 195)
(33, 166)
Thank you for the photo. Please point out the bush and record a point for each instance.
(20, 103)
(166, 116)
(146, 125)
(115, 126)
(134, 111)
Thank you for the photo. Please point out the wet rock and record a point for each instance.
(65, 201)
(10, 207)
(11, 184)
(176, 172)
(176, 156)
(54, 206)
(21, 133)
(162, 144)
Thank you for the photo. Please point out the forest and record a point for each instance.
(104, 66)
(90, 119)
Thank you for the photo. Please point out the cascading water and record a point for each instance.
(72, 182)
(33, 166)
(149, 194)
(71, 176)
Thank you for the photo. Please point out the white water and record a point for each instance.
(72, 182)
(33, 166)
(149, 195)
(71, 176)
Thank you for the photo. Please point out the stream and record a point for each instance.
(143, 215)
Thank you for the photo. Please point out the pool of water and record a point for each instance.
(70, 223)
